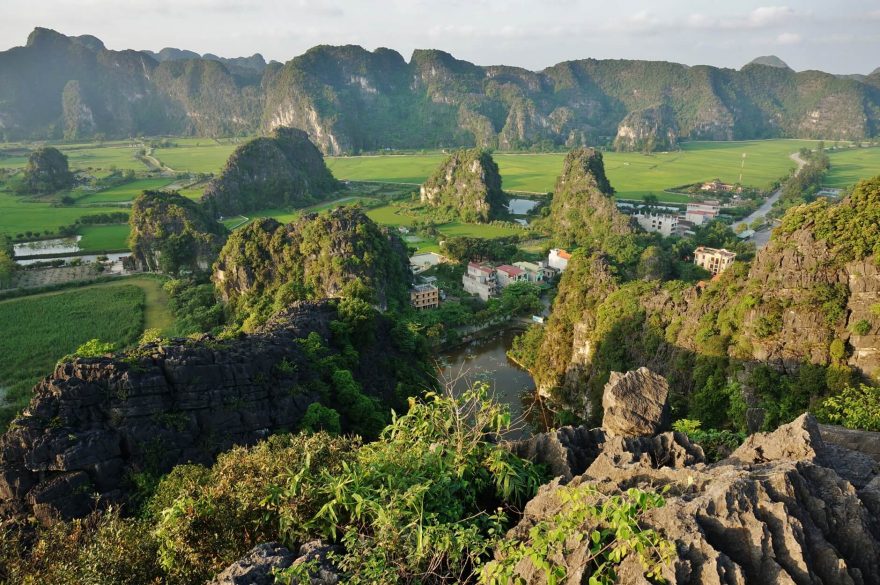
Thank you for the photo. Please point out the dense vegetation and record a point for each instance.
(466, 186)
(47, 171)
(170, 233)
(266, 265)
(281, 170)
(426, 503)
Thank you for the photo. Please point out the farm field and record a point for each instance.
(197, 155)
(633, 175)
(126, 192)
(851, 166)
(104, 238)
(40, 329)
(19, 215)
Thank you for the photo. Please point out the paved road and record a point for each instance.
(761, 238)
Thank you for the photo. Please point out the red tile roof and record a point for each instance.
(510, 270)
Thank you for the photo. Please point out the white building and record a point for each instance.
(558, 259)
(480, 280)
(714, 260)
(661, 223)
(422, 262)
(702, 213)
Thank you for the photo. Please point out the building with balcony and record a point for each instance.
(424, 296)
(714, 260)
(480, 280)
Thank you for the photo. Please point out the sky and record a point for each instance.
(839, 36)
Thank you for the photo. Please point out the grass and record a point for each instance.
(207, 157)
(104, 238)
(40, 329)
(848, 167)
(19, 215)
(633, 175)
(126, 192)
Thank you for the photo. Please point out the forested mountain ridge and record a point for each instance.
(349, 99)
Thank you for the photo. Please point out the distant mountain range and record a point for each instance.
(349, 99)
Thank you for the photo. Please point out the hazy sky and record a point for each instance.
(841, 36)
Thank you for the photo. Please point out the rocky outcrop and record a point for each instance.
(170, 233)
(316, 256)
(648, 130)
(95, 423)
(807, 299)
(47, 171)
(784, 508)
(635, 404)
(282, 170)
(259, 566)
(468, 185)
(582, 211)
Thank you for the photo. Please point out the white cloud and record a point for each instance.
(788, 38)
(770, 15)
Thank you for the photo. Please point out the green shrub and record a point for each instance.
(861, 327)
(205, 521)
(426, 502)
(608, 527)
(853, 408)
(320, 418)
(716, 444)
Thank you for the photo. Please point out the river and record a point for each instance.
(486, 359)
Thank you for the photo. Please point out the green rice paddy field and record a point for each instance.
(850, 166)
(40, 329)
(633, 175)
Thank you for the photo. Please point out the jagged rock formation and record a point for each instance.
(635, 404)
(170, 233)
(47, 171)
(96, 421)
(786, 507)
(268, 264)
(806, 300)
(349, 99)
(583, 212)
(468, 184)
(282, 170)
(648, 130)
(258, 566)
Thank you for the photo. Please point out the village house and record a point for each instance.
(661, 223)
(534, 272)
(558, 259)
(480, 280)
(507, 275)
(714, 260)
(424, 296)
(718, 187)
(702, 213)
(421, 262)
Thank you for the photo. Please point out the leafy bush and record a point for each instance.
(853, 408)
(206, 519)
(426, 503)
(861, 327)
(716, 444)
(609, 527)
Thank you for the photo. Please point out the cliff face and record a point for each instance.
(170, 233)
(284, 170)
(468, 184)
(648, 130)
(806, 308)
(348, 99)
(337, 254)
(583, 212)
(94, 423)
